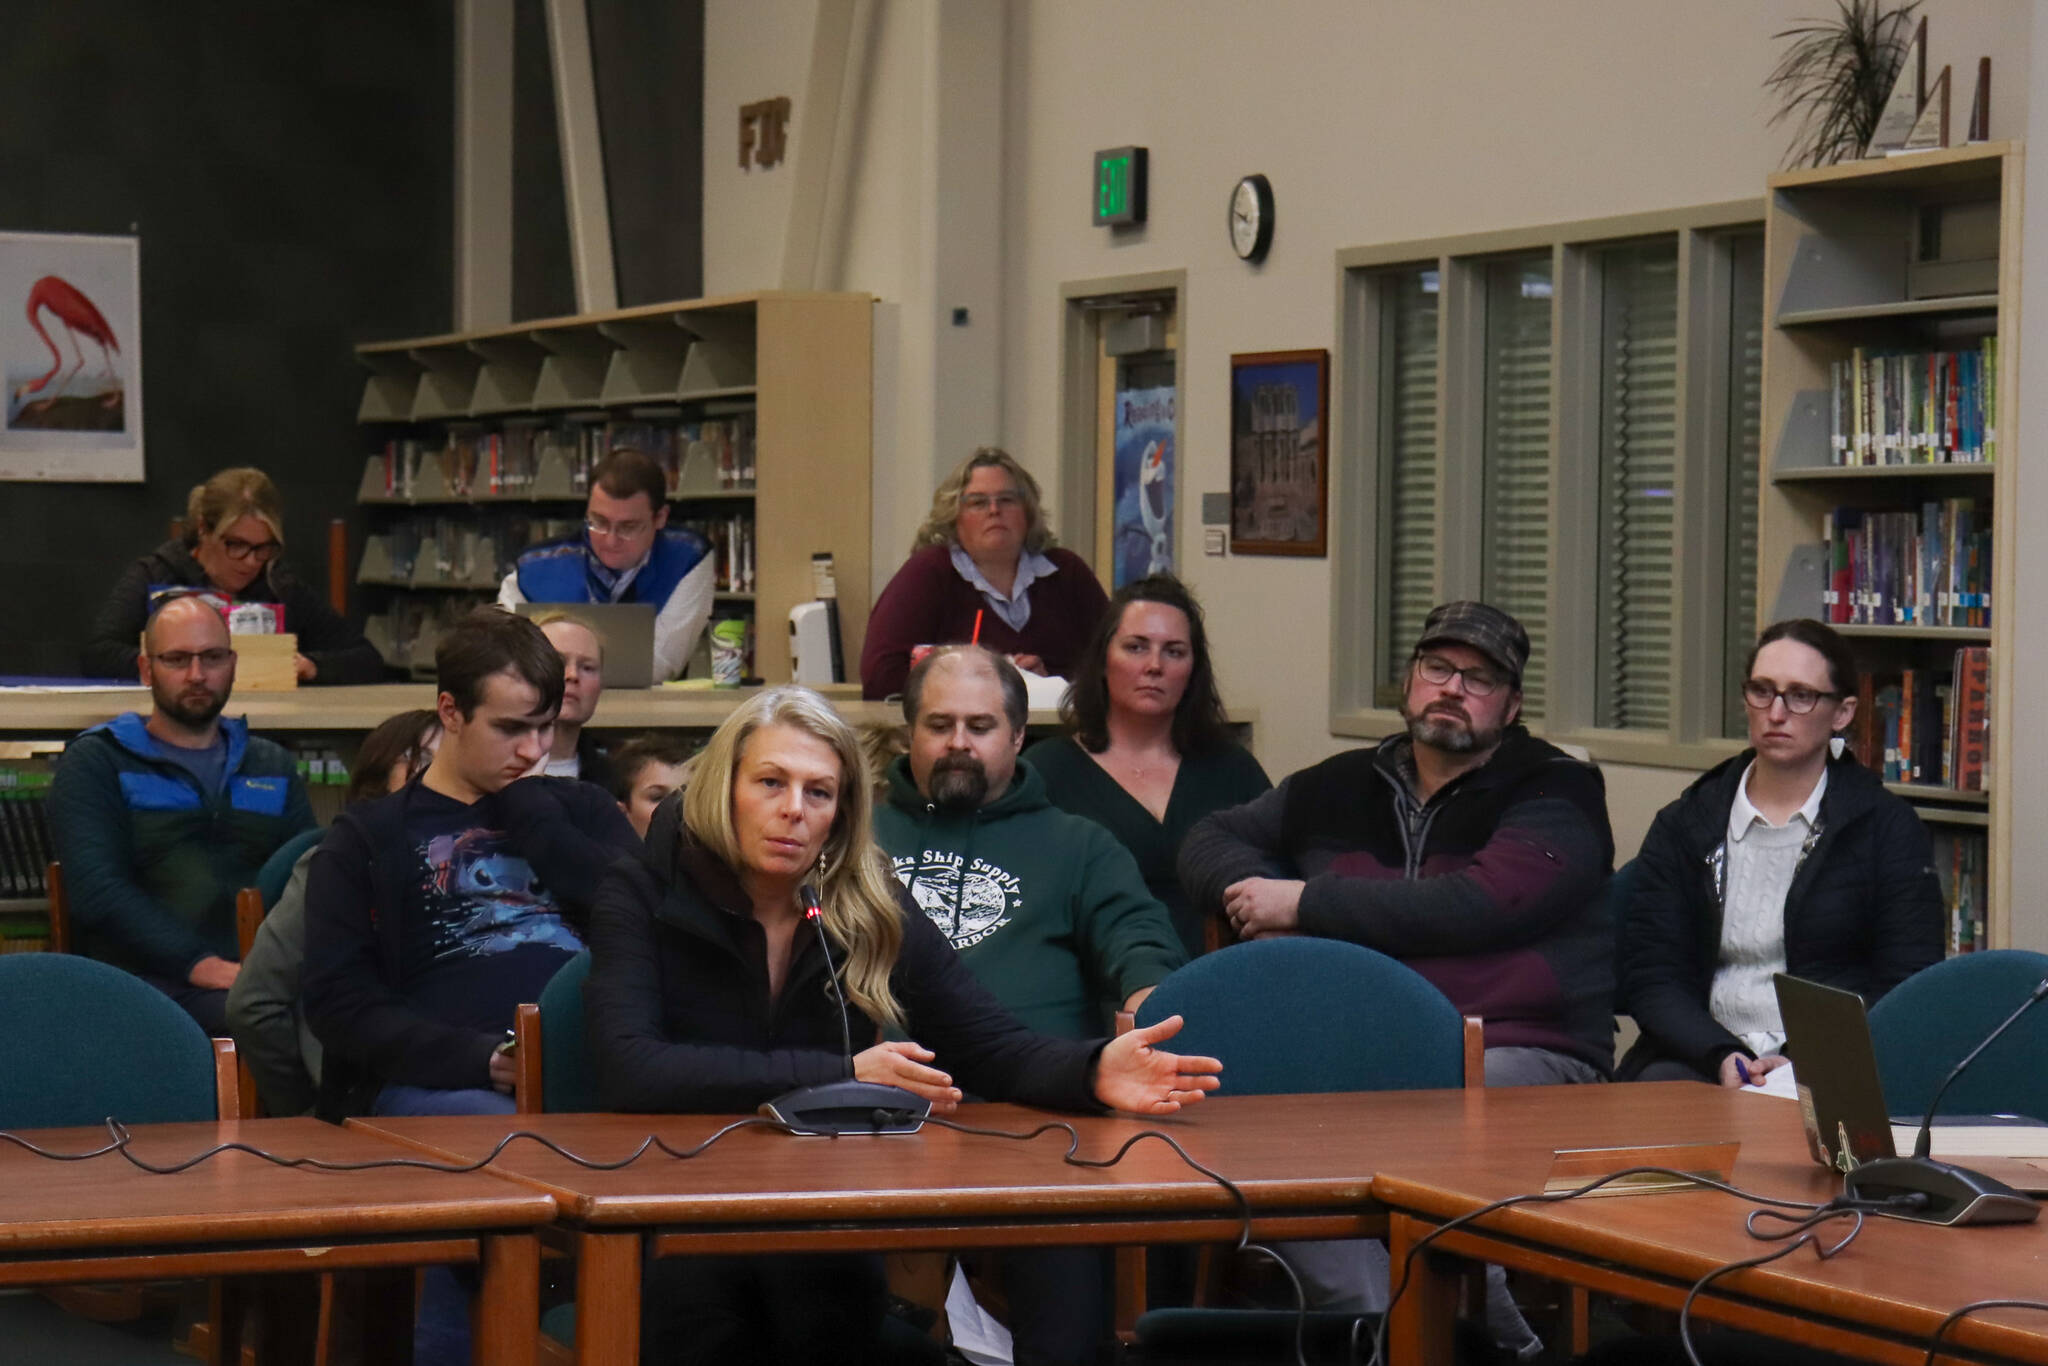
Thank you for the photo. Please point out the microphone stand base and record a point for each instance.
(849, 1107)
(1954, 1195)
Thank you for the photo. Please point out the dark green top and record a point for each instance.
(1206, 783)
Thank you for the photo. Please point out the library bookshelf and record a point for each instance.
(783, 378)
(1880, 499)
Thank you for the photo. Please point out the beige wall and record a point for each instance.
(1375, 122)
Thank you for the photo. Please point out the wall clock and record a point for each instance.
(1251, 218)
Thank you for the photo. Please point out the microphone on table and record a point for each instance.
(1953, 1195)
(850, 1106)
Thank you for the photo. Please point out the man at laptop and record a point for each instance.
(1786, 858)
(627, 553)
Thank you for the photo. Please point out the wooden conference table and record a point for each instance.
(104, 1219)
(1880, 1299)
(1310, 1166)
(1298, 1159)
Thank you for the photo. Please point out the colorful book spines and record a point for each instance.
(1914, 408)
(1925, 568)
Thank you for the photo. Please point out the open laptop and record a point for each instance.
(1841, 1098)
(626, 629)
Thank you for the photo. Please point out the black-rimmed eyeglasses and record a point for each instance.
(1758, 695)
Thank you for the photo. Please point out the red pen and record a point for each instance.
(975, 639)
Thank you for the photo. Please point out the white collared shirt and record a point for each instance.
(1761, 861)
(1014, 609)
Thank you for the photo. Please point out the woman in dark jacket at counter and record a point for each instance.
(1786, 858)
(234, 533)
(708, 992)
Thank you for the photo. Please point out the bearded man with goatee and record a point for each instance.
(159, 820)
(1046, 908)
(1467, 848)
(1464, 846)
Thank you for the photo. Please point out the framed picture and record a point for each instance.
(71, 357)
(1279, 453)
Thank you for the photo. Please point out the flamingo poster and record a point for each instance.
(70, 357)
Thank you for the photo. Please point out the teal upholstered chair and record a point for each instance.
(1300, 1015)
(86, 1041)
(1924, 1026)
(1292, 1016)
(554, 1062)
(277, 869)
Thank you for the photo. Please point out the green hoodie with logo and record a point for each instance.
(1048, 909)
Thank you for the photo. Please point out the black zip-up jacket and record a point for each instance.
(338, 650)
(680, 1018)
(1493, 889)
(1864, 911)
(568, 831)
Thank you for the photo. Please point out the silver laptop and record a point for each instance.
(626, 629)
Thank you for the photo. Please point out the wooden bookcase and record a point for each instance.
(801, 362)
(1854, 258)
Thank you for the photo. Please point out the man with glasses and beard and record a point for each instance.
(159, 820)
(1047, 908)
(1465, 847)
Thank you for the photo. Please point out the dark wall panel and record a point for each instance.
(649, 60)
(288, 166)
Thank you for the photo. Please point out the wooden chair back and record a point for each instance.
(60, 908)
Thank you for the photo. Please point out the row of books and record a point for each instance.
(1920, 726)
(1915, 407)
(1930, 567)
(1961, 865)
(25, 846)
(526, 460)
(732, 542)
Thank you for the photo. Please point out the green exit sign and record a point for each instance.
(1120, 186)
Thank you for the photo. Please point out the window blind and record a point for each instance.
(1515, 559)
(1638, 476)
(1745, 446)
(1408, 379)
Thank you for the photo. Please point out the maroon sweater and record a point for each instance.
(928, 603)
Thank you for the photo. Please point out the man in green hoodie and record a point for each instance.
(1048, 909)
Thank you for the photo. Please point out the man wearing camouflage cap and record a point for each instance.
(1465, 847)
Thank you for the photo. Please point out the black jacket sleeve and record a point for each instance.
(982, 1045)
(339, 651)
(1909, 921)
(569, 830)
(1661, 975)
(114, 639)
(1231, 845)
(354, 1010)
(639, 1068)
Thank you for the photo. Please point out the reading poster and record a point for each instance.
(1143, 533)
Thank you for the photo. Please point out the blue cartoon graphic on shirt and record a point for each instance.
(486, 899)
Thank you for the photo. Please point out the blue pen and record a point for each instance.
(1741, 1070)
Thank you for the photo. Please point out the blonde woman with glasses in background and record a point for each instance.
(234, 536)
(984, 556)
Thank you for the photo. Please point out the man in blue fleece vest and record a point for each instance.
(627, 553)
(159, 820)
